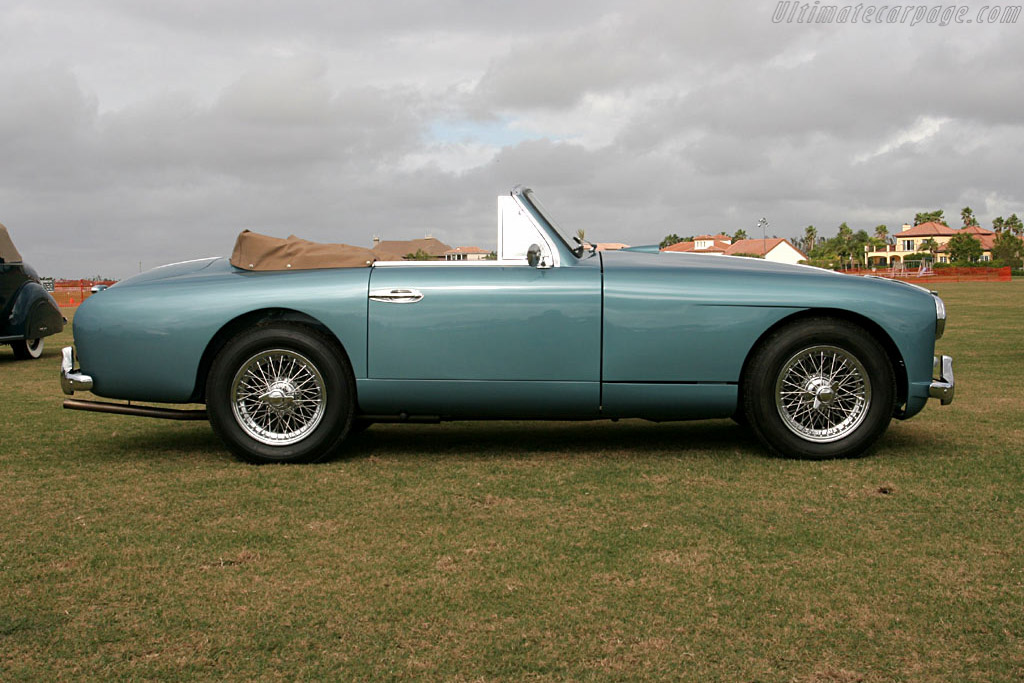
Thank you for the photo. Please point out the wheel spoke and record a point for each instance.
(279, 397)
(823, 393)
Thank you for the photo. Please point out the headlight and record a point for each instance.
(940, 316)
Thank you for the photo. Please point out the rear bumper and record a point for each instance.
(70, 379)
(943, 387)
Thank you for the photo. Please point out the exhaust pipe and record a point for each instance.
(137, 411)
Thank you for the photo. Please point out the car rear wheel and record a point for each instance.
(28, 349)
(819, 388)
(281, 393)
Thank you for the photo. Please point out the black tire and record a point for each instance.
(740, 418)
(360, 425)
(27, 349)
(281, 394)
(818, 389)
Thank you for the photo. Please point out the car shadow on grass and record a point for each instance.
(51, 357)
(497, 439)
(162, 439)
(560, 439)
(492, 439)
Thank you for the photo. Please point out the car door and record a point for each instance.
(484, 340)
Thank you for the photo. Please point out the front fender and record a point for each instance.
(35, 314)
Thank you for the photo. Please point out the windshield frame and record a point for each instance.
(529, 200)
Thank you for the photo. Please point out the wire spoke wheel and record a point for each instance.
(278, 397)
(823, 393)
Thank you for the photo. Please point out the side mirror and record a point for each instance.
(533, 255)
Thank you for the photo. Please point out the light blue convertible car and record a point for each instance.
(292, 353)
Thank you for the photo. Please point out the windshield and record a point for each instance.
(545, 215)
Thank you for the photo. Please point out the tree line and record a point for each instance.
(847, 247)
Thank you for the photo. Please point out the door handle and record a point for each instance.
(396, 296)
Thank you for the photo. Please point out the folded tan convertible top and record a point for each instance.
(254, 251)
(7, 251)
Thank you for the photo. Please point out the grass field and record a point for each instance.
(139, 549)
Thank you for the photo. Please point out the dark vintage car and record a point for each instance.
(27, 311)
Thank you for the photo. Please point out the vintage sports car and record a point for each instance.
(293, 345)
(27, 311)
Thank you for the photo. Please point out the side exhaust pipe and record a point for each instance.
(137, 411)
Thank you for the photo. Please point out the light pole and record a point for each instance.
(763, 224)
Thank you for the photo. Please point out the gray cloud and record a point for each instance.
(155, 132)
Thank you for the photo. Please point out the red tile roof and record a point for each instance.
(929, 229)
(467, 250)
(759, 246)
(976, 230)
(718, 247)
(395, 250)
(987, 241)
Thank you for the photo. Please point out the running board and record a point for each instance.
(137, 411)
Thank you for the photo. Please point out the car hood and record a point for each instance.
(738, 264)
(757, 273)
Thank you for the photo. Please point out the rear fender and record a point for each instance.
(35, 314)
(247, 321)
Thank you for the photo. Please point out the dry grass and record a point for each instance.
(139, 549)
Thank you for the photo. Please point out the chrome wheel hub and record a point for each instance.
(278, 397)
(281, 397)
(823, 393)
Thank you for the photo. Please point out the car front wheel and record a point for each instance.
(281, 393)
(819, 388)
(27, 349)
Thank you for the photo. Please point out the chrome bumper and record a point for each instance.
(70, 380)
(942, 388)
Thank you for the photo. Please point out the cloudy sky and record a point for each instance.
(135, 131)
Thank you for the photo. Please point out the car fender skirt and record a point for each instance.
(35, 314)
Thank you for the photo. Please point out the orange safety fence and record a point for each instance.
(951, 274)
(70, 293)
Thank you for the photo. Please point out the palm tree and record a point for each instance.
(670, 240)
(968, 217)
(1015, 225)
(882, 233)
(810, 232)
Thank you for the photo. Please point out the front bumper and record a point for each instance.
(943, 387)
(70, 380)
